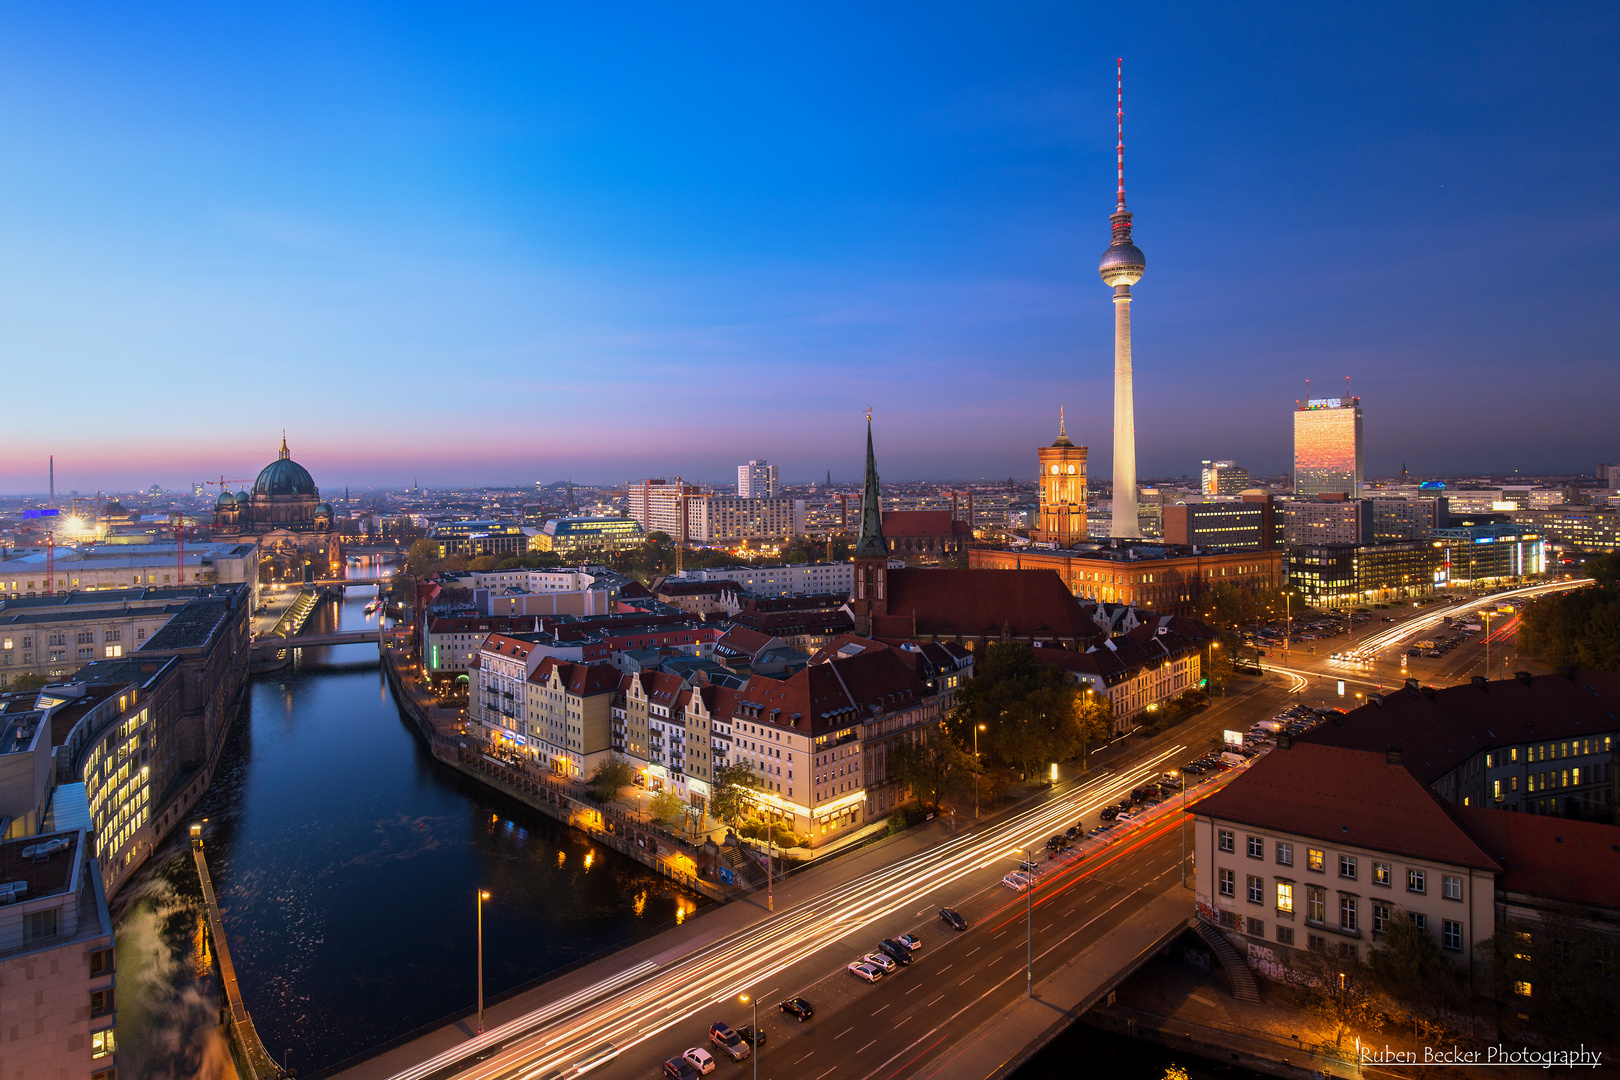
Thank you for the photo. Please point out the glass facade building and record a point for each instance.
(1327, 447)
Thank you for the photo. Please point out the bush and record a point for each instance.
(905, 817)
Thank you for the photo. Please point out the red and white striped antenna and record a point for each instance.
(1120, 149)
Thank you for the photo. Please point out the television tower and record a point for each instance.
(1122, 265)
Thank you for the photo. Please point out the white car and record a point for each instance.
(861, 969)
(700, 1059)
(878, 960)
(1016, 882)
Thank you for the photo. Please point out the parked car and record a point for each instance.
(952, 918)
(879, 961)
(701, 1060)
(898, 952)
(798, 1008)
(1073, 833)
(862, 970)
(1027, 867)
(1109, 813)
(748, 1035)
(728, 1041)
(677, 1068)
(1016, 882)
(910, 941)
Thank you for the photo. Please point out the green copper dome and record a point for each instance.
(284, 476)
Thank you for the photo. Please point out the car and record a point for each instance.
(865, 971)
(1053, 843)
(728, 1042)
(896, 951)
(910, 941)
(952, 918)
(1073, 832)
(878, 960)
(678, 1068)
(1027, 867)
(701, 1060)
(1016, 882)
(748, 1035)
(1109, 813)
(798, 1008)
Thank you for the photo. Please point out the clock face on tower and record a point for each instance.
(1054, 470)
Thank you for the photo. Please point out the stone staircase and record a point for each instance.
(749, 873)
(1244, 985)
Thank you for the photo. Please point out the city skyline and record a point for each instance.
(241, 231)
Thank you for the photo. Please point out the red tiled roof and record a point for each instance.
(585, 680)
(1548, 856)
(1438, 733)
(1026, 603)
(1346, 797)
(508, 646)
(837, 694)
(904, 524)
(744, 641)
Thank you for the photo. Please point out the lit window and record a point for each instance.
(1416, 881)
(1314, 860)
(1285, 897)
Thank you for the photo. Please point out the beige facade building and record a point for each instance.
(126, 566)
(569, 715)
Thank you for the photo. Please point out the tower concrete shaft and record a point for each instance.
(1126, 520)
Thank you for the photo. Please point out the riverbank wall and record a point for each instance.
(670, 857)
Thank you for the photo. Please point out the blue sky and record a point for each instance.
(501, 243)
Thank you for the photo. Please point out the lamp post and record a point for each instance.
(482, 896)
(1182, 780)
(770, 878)
(976, 729)
(753, 999)
(1029, 924)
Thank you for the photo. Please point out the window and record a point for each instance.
(1419, 920)
(1347, 950)
(1380, 918)
(1257, 890)
(1226, 840)
(1257, 928)
(1562, 949)
(1347, 866)
(86, 637)
(1228, 882)
(1229, 919)
(101, 1002)
(1451, 887)
(1347, 914)
(1315, 905)
(103, 1043)
(1603, 961)
(101, 962)
(1285, 854)
(1257, 848)
(1316, 943)
(39, 925)
(1314, 860)
(1521, 988)
(1285, 935)
(1415, 881)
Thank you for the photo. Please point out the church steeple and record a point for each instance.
(284, 455)
(870, 544)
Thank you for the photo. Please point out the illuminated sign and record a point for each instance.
(1232, 738)
(40, 513)
(1432, 485)
(1324, 403)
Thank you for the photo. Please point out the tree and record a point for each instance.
(732, 797)
(1578, 629)
(666, 806)
(1031, 712)
(928, 765)
(22, 684)
(1409, 967)
(423, 554)
(1339, 989)
(1557, 974)
(611, 774)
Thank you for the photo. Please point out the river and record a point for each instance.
(347, 863)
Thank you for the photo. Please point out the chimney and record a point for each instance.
(1285, 741)
(1428, 692)
(1392, 755)
(1376, 699)
(1411, 686)
(1522, 676)
(1482, 682)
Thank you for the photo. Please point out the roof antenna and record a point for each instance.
(1063, 429)
(1120, 149)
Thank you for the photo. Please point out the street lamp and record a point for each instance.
(482, 896)
(1029, 924)
(976, 729)
(753, 999)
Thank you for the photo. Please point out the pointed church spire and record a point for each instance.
(1063, 427)
(870, 544)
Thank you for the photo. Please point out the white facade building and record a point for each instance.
(784, 580)
(756, 480)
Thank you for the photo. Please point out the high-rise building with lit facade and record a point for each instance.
(1062, 490)
(757, 480)
(1225, 478)
(1327, 447)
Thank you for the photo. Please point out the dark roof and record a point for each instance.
(1549, 856)
(945, 603)
(901, 524)
(1347, 797)
(1438, 730)
(834, 695)
(192, 627)
(45, 877)
(585, 680)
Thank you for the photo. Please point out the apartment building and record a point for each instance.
(659, 505)
(1330, 519)
(568, 715)
(500, 703)
(1137, 671)
(786, 580)
(711, 518)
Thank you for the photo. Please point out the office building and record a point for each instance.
(1407, 518)
(477, 538)
(1224, 478)
(1327, 447)
(569, 715)
(53, 637)
(756, 480)
(659, 505)
(1329, 519)
(711, 518)
(1221, 526)
(126, 566)
(1061, 491)
(1584, 528)
(1162, 578)
(572, 535)
(1351, 575)
(787, 580)
(1479, 554)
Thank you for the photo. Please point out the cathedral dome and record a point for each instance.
(284, 476)
(323, 508)
(226, 501)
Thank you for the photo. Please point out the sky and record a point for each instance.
(495, 244)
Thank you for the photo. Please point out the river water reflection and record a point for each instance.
(346, 862)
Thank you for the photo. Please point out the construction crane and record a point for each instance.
(180, 530)
(223, 482)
